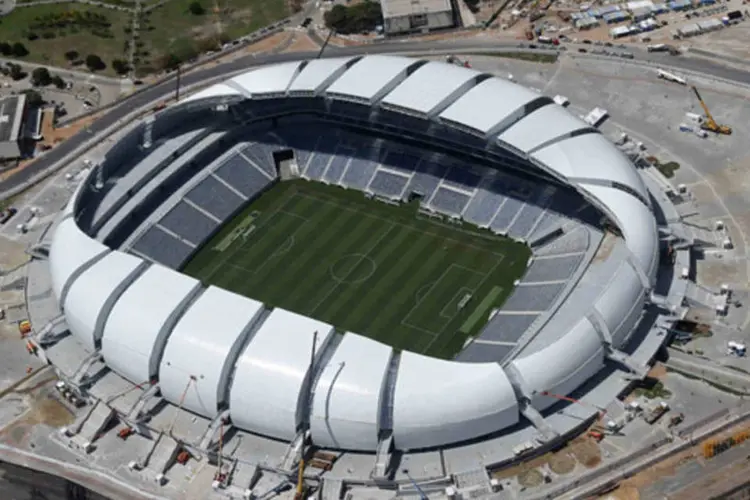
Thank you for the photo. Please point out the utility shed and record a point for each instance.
(409, 16)
(11, 117)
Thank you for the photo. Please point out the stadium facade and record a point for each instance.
(169, 184)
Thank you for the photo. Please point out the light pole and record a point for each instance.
(422, 495)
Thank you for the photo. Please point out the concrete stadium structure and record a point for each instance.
(475, 147)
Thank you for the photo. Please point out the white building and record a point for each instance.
(411, 16)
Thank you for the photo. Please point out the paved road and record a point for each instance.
(165, 89)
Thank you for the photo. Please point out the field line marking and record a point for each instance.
(500, 256)
(365, 256)
(405, 320)
(222, 262)
(462, 290)
(277, 251)
(479, 286)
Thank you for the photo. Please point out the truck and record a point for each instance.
(548, 41)
(655, 413)
(659, 47)
(675, 420)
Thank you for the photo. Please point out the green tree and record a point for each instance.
(357, 18)
(94, 62)
(15, 71)
(71, 55)
(19, 50)
(58, 82)
(121, 67)
(40, 77)
(6, 49)
(196, 9)
(33, 98)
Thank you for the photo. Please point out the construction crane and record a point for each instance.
(709, 123)
(221, 477)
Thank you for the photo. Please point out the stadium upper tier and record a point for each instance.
(171, 182)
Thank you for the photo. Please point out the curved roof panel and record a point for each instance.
(71, 249)
(205, 340)
(584, 156)
(346, 399)
(635, 220)
(563, 365)
(139, 324)
(487, 104)
(268, 79)
(544, 124)
(318, 74)
(430, 85)
(617, 300)
(270, 374)
(218, 90)
(438, 402)
(371, 76)
(86, 310)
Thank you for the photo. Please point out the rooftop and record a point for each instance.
(11, 113)
(397, 8)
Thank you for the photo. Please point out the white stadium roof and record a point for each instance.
(107, 276)
(138, 325)
(213, 330)
(496, 99)
(429, 86)
(346, 399)
(161, 325)
(270, 373)
(371, 77)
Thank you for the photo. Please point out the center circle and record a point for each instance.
(353, 268)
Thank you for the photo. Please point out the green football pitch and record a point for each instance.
(384, 271)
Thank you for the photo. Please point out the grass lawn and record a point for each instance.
(172, 23)
(15, 26)
(364, 266)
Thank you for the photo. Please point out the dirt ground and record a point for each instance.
(530, 478)
(586, 451)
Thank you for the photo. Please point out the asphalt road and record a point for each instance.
(165, 89)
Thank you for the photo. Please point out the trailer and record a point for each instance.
(655, 413)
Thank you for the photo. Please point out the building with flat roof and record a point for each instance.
(410, 16)
(11, 118)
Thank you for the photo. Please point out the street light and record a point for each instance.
(422, 495)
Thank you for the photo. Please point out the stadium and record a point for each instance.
(367, 254)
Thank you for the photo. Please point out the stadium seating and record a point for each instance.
(359, 173)
(388, 184)
(189, 223)
(506, 214)
(403, 161)
(427, 178)
(533, 297)
(460, 176)
(483, 207)
(449, 202)
(526, 220)
(261, 154)
(317, 165)
(163, 248)
(242, 176)
(215, 198)
(553, 268)
(337, 167)
(507, 327)
(574, 241)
